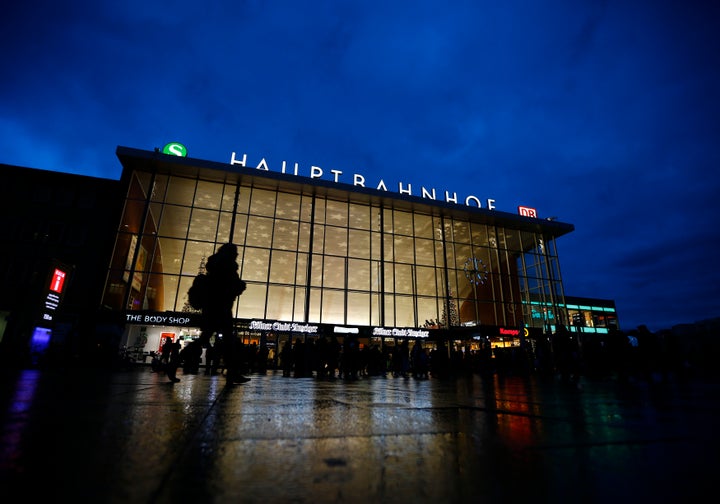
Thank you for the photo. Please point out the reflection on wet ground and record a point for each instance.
(132, 437)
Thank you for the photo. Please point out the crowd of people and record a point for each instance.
(564, 354)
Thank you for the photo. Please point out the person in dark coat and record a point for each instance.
(223, 287)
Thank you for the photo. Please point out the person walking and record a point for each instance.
(173, 363)
(223, 287)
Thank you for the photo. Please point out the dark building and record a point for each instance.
(58, 232)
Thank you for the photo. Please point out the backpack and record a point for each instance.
(198, 292)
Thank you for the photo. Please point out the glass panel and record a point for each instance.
(423, 226)
(389, 310)
(402, 223)
(306, 209)
(404, 249)
(375, 309)
(375, 276)
(462, 254)
(169, 255)
(280, 302)
(181, 191)
(299, 311)
(358, 274)
(259, 231)
(314, 314)
(288, 206)
(175, 221)
(428, 311)
(334, 272)
(319, 211)
(182, 298)
(196, 253)
(404, 311)
(255, 263)
(375, 246)
(251, 304)
(426, 281)
(479, 234)
(203, 224)
(132, 216)
(282, 269)
(159, 187)
(359, 216)
(358, 308)
(461, 232)
(317, 271)
(139, 183)
(208, 195)
(389, 277)
(239, 235)
(388, 248)
(359, 244)
(318, 239)
(262, 202)
(153, 217)
(285, 235)
(404, 281)
(333, 307)
(336, 241)
(243, 205)
(223, 232)
(337, 213)
(301, 271)
(424, 252)
(304, 238)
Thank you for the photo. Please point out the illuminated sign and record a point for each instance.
(58, 276)
(57, 281)
(359, 181)
(509, 332)
(346, 330)
(527, 211)
(175, 149)
(156, 319)
(400, 332)
(259, 325)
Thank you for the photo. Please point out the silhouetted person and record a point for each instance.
(191, 356)
(173, 360)
(286, 358)
(223, 287)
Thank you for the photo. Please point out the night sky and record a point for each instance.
(604, 114)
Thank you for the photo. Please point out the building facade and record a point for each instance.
(57, 237)
(324, 258)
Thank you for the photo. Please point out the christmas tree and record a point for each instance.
(186, 307)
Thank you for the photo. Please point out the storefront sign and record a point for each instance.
(400, 332)
(359, 181)
(157, 319)
(259, 325)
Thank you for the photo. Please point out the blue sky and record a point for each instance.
(604, 114)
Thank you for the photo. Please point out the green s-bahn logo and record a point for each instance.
(175, 149)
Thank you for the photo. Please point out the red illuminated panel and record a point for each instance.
(527, 211)
(58, 281)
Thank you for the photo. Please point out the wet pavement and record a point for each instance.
(131, 436)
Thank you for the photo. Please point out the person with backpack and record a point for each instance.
(221, 286)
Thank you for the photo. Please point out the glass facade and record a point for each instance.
(329, 256)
